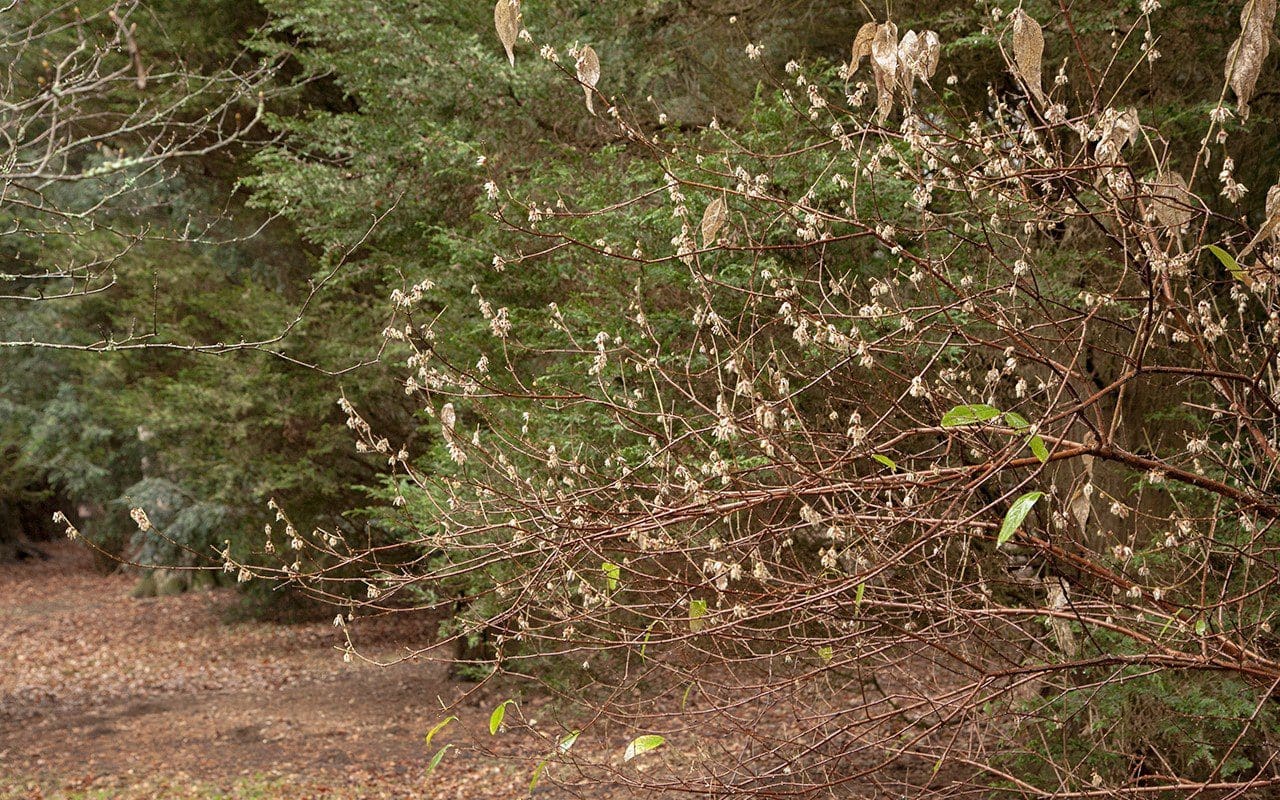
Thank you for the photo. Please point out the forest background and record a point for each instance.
(236, 235)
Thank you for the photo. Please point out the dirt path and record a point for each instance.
(100, 690)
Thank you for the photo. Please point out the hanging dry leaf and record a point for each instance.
(884, 62)
(713, 219)
(506, 18)
(1172, 201)
(1081, 500)
(588, 73)
(917, 58)
(908, 54)
(1056, 589)
(931, 51)
(1080, 507)
(862, 44)
(1028, 51)
(1246, 54)
(1115, 130)
(1270, 225)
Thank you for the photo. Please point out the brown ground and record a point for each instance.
(104, 697)
(101, 690)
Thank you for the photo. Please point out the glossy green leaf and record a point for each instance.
(1017, 513)
(1015, 420)
(643, 744)
(568, 740)
(612, 574)
(1229, 262)
(537, 774)
(684, 700)
(498, 715)
(644, 644)
(431, 734)
(888, 462)
(1038, 448)
(968, 415)
(1201, 626)
(437, 758)
(697, 610)
(857, 595)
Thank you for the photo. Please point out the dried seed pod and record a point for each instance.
(1246, 54)
(506, 18)
(862, 44)
(713, 219)
(884, 62)
(588, 68)
(1171, 200)
(1028, 51)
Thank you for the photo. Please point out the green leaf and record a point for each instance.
(857, 595)
(1229, 262)
(643, 744)
(537, 773)
(568, 741)
(562, 748)
(1019, 423)
(697, 610)
(1201, 626)
(968, 415)
(1015, 420)
(498, 715)
(684, 701)
(644, 645)
(439, 727)
(826, 654)
(437, 758)
(1017, 513)
(612, 574)
(888, 462)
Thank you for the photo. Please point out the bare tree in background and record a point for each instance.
(97, 110)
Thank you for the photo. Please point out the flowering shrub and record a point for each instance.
(916, 430)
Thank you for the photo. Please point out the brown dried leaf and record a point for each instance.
(588, 68)
(884, 62)
(1247, 54)
(1270, 225)
(917, 58)
(1028, 51)
(1115, 130)
(506, 18)
(1056, 592)
(1172, 201)
(862, 44)
(908, 53)
(931, 48)
(713, 219)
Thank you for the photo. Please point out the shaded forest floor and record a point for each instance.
(104, 696)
